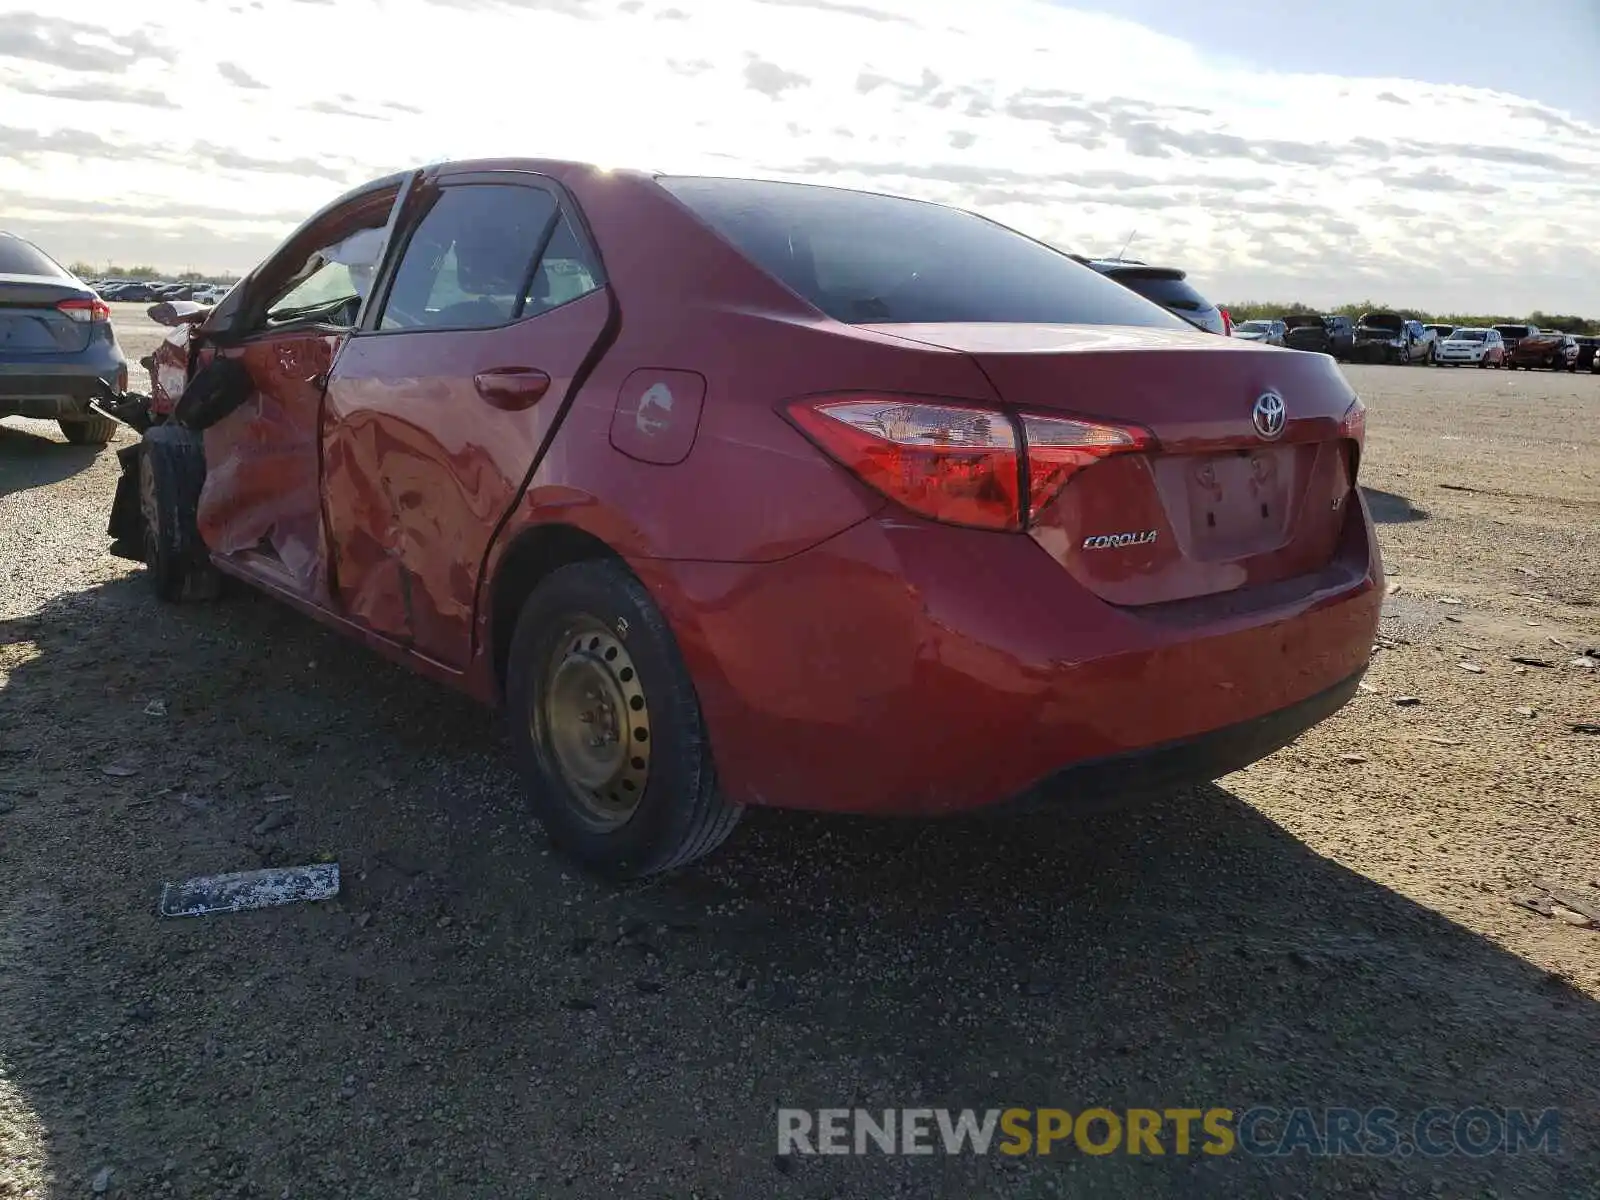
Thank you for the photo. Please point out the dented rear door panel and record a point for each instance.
(420, 468)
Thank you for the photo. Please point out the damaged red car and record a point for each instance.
(743, 493)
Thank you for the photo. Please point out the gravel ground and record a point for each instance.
(1334, 927)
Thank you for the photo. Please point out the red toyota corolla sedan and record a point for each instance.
(747, 493)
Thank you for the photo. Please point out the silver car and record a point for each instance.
(57, 347)
(1268, 333)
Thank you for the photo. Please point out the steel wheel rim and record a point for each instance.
(594, 720)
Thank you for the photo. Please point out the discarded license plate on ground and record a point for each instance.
(246, 890)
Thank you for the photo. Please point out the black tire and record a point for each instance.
(172, 467)
(576, 616)
(93, 430)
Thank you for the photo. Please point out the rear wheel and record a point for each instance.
(93, 430)
(607, 727)
(172, 467)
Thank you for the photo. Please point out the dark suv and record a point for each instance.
(1166, 286)
(1321, 333)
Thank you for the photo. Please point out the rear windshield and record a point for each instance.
(863, 258)
(18, 257)
(1516, 331)
(1165, 290)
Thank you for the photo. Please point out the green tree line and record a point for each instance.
(1258, 310)
(143, 273)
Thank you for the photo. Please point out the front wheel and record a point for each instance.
(172, 468)
(607, 727)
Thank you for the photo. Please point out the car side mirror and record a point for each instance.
(178, 312)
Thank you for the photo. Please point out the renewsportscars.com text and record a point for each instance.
(1258, 1131)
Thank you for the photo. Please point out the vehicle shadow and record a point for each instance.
(472, 1016)
(30, 460)
(1389, 508)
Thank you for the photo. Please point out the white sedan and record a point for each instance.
(1471, 348)
(1268, 333)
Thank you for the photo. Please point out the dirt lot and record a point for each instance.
(1333, 928)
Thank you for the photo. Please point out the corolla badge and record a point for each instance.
(1270, 415)
(1117, 541)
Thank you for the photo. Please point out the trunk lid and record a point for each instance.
(31, 326)
(1214, 506)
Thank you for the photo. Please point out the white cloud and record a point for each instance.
(1075, 127)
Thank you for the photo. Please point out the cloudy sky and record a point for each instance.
(1444, 155)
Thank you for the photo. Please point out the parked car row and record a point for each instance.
(1395, 338)
(1374, 337)
(145, 291)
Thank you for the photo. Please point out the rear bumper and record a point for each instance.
(1188, 761)
(909, 668)
(59, 390)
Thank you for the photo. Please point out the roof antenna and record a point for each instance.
(1126, 244)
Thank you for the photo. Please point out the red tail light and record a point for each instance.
(1059, 447)
(1227, 322)
(1354, 425)
(93, 309)
(962, 464)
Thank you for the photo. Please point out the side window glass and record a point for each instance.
(468, 264)
(566, 272)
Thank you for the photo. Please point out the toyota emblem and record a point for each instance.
(1269, 415)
